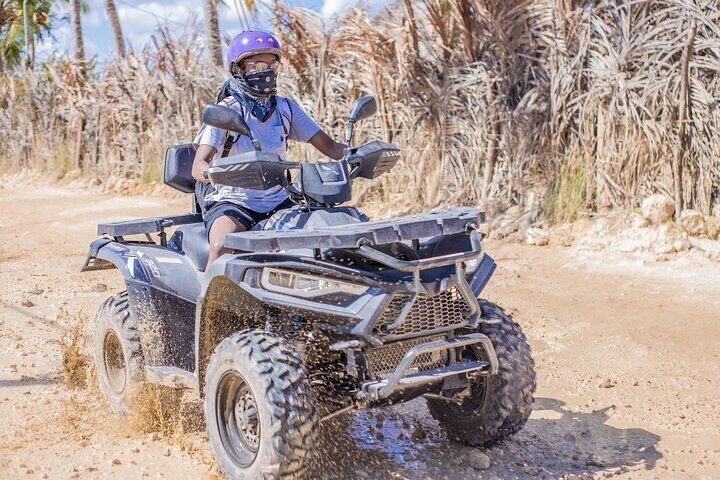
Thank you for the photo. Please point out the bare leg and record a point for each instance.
(218, 231)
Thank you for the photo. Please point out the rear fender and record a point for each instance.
(163, 285)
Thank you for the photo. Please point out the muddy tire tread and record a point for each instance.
(293, 416)
(117, 314)
(510, 400)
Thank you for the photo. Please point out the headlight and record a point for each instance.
(303, 285)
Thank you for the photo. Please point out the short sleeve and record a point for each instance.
(212, 136)
(302, 127)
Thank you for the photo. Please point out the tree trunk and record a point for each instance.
(678, 159)
(31, 55)
(493, 138)
(77, 30)
(212, 32)
(114, 21)
(603, 200)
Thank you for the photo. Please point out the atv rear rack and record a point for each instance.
(373, 391)
(146, 226)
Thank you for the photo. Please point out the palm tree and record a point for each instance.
(12, 29)
(75, 12)
(212, 31)
(212, 27)
(115, 26)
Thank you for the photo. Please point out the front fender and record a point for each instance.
(480, 277)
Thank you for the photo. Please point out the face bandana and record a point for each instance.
(263, 82)
(246, 89)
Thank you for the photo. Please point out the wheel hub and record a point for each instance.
(114, 362)
(238, 419)
(478, 387)
(246, 418)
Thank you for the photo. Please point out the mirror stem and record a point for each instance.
(256, 144)
(349, 131)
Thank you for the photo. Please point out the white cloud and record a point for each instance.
(48, 46)
(94, 17)
(139, 21)
(335, 7)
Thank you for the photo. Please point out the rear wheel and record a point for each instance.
(259, 408)
(498, 405)
(117, 352)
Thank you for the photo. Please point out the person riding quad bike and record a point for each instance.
(254, 58)
(316, 311)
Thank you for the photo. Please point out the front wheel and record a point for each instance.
(259, 409)
(498, 405)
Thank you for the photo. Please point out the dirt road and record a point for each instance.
(626, 351)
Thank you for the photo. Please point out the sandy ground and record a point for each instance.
(648, 332)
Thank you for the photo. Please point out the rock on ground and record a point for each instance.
(710, 248)
(658, 209)
(479, 460)
(537, 236)
(692, 222)
(615, 234)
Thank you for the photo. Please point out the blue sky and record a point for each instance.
(139, 19)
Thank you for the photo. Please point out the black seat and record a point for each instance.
(192, 240)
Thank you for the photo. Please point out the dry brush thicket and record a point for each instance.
(115, 122)
(587, 104)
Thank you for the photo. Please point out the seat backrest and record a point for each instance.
(193, 241)
(178, 168)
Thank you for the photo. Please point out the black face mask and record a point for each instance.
(261, 104)
(263, 82)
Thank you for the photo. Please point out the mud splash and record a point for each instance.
(74, 347)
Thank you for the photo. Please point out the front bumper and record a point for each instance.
(401, 380)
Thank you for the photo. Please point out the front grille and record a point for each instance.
(382, 361)
(445, 310)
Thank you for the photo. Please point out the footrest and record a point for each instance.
(170, 376)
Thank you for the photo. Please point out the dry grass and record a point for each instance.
(490, 99)
(116, 122)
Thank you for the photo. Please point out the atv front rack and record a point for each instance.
(400, 380)
(446, 221)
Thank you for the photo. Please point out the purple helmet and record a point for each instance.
(252, 42)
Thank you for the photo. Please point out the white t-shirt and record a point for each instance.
(288, 122)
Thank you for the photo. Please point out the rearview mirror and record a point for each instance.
(226, 118)
(363, 108)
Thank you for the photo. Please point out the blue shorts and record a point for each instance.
(249, 218)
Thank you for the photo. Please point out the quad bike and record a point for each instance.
(316, 312)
